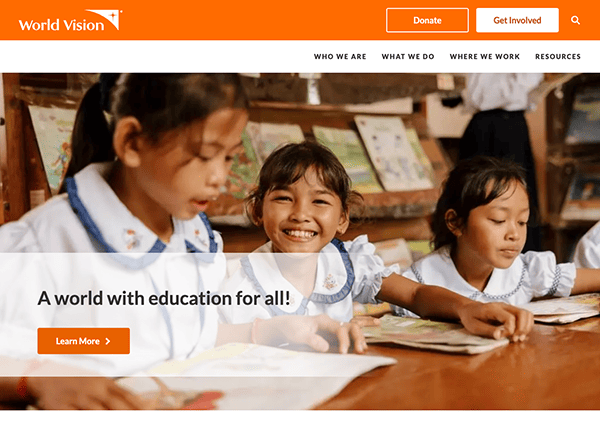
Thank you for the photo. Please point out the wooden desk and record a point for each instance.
(558, 367)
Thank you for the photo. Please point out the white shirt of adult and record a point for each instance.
(500, 91)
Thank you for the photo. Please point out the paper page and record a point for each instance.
(244, 170)
(394, 159)
(465, 349)
(247, 360)
(258, 377)
(415, 143)
(430, 334)
(346, 145)
(564, 319)
(266, 137)
(53, 127)
(242, 393)
(581, 304)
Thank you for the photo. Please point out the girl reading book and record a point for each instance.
(480, 227)
(132, 222)
(303, 201)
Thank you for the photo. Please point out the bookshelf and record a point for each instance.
(565, 160)
(388, 214)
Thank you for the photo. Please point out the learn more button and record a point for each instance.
(83, 341)
(423, 20)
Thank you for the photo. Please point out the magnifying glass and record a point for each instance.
(575, 20)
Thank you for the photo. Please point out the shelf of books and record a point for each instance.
(398, 172)
(573, 168)
(392, 162)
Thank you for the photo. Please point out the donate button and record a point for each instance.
(517, 20)
(407, 19)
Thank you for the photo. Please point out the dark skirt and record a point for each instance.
(505, 135)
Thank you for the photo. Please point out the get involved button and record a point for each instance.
(83, 341)
(409, 19)
(517, 20)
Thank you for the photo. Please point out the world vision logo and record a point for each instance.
(108, 17)
(109, 14)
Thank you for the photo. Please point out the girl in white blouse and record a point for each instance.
(302, 201)
(131, 221)
(480, 227)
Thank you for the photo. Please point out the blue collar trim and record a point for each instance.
(315, 297)
(101, 245)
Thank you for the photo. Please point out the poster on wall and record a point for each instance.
(53, 127)
(394, 158)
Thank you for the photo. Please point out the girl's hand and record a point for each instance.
(312, 331)
(365, 321)
(80, 393)
(496, 320)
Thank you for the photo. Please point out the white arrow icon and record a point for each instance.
(107, 341)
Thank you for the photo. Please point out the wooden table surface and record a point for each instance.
(557, 367)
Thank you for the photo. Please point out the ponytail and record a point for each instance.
(91, 140)
(160, 103)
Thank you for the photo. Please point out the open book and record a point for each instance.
(431, 335)
(565, 309)
(247, 376)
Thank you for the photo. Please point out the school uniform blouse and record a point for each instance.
(587, 252)
(532, 275)
(346, 272)
(87, 242)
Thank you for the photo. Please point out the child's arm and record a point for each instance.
(295, 330)
(586, 281)
(495, 320)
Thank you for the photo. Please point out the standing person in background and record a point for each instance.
(499, 129)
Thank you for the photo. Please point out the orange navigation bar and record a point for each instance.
(83, 341)
(276, 20)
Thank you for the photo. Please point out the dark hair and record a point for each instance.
(467, 188)
(160, 102)
(290, 162)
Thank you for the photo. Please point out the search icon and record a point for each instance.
(575, 20)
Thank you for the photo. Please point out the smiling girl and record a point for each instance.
(303, 201)
(132, 220)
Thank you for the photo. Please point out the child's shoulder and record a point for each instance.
(39, 227)
(441, 255)
(593, 235)
(535, 257)
(359, 244)
(435, 266)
